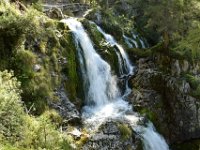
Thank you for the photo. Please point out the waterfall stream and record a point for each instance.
(103, 99)
(124, 61)
(130, 42)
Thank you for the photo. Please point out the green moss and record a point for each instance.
(150, 115)
(125, 131)
(70, 70)
(93, 32)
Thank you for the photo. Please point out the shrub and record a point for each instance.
(11, 110)
(24, 62)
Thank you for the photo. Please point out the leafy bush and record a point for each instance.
(24, 62)
(191, 44)
(11, 110)
(21, 131)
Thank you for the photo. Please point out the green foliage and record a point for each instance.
(24, 40)
(190, 44)
(37, 4)
(11, 111)
(41, 133)
(113, 23)
(13, 27)
(24, 62)
(21, 131)
(171, 17)
(194, 81)
(28, 38)
(125, 131)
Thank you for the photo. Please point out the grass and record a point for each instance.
(125, 131)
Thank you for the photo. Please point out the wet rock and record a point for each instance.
(109, 137)
(67, 109)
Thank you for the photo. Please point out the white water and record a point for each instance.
(103, 100)
(151, 139)
(135, 36)
(110, 39)
(142, 43)
(130, 42)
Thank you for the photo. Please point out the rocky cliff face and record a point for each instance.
(165, 98)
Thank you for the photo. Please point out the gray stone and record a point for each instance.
(36, 67)
(66, 108)
(108, 137)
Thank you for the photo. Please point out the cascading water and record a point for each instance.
(151, 139)
(132, 41)
(129, 41)
(103, 100)
(102, 96)
(126, 63)
(121, 56)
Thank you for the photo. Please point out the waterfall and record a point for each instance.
(103, 99)
(102, 96)
(151, 139)
(121, 56)
(124, 61)
(129, 41)
(132, 42)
